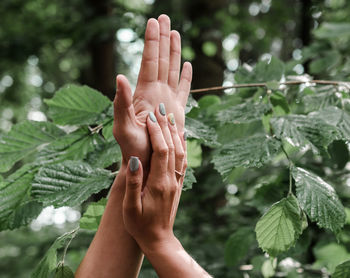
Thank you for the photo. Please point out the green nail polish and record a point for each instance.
(162, 109)
(152, 117)
(134, 164)
(171, 118)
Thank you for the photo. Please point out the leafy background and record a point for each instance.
(269, 170)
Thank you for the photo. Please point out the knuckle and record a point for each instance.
(171, 148)
(163, 152)
(180, 155)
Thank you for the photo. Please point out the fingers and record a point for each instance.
(134, 176)
(123, 106)
(163, 123)
(185, 83)
(159, 159)
(149, 63)
(178, 145)
(164, 47)
(175, 59)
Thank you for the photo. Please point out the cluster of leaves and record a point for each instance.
(64, 162)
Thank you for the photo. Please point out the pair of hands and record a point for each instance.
(141, 127)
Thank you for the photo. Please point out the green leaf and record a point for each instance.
(14, 195)
(49, 262)
(267, 269)
(330, 256)
(243, 113)
(64, 271)
(189, 179)
(194, 154)
(105, 154)
(24, 139)
(198, 130)
(342, 270)
(280, 104)
(326, 62)
(73, 146)
(319, 200)
(331, 30)
(107, 131)
(319, 100)
(238, 245)
(252, 151)
(304, 131)
(92, 217)
(269, 70)
(78, 105)
(69, 183)
(280, 227)
(272, 85)
(337, 118)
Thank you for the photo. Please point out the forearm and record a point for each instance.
(170, 260)
(113, 252)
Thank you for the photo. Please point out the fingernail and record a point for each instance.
(152, 117)
(171, 118)
(162, 109)
(134, 163)
(185, 135)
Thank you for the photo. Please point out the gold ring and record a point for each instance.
(179, 173)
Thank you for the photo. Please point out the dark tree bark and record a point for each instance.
(101, 74)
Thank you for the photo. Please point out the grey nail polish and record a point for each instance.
(185, 135)
(133, 163)
(152, 117)
(162, 109)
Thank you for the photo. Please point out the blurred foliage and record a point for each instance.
(46, 44)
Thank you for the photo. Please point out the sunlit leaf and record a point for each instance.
(319, 200)
(69, 183)
(64, 271)
(92, 216)
(78, 105)
(280, 227)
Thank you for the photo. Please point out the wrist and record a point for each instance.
(160, 246)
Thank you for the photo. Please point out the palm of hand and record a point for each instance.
(158, 82)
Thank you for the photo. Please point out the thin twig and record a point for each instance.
(264, 84)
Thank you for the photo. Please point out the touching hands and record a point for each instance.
(149, 214)
(159, 81)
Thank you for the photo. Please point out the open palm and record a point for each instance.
(158, 82)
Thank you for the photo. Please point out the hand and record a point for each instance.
(158, 82)
(149, 215)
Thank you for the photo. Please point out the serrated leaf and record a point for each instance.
(105, 154)
(252, 151)
(92, 217)
(243, 113)
(49, 262)
(69, 183)
(280, 227)
(24, 139)
(238, 245)
(319, 101)
(78, 105)
(319, 200)
(107, 131)
(73, 146)
(14, 193)
(198, 130)
(342, 270)
(189, 179)
(304, 131)
(337, 118)
(64, 271)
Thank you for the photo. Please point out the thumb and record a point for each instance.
(134, 177)
(123, 105)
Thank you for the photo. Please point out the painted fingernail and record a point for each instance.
(171, 118)
(134, 163)
(162, 109)
(185, 135)
(152, 117)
